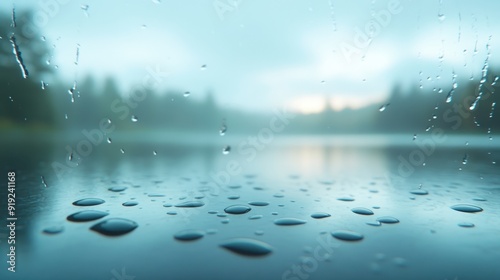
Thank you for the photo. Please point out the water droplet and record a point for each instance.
(43, 181)
(154, 153)
(348, 199)
(189, 235)
(441, 17)
(464, 160)
(255, 217)
(237, 209)
(122, 151)
(419, 192)
(375, 224)
(233, 197)
(226, 150)
(383, 107)
(172, 213)
(258, 203)
(88, 202)
(479, 199)
(466, 225)
(86, 215)
(259, 232)
(414, 137)
(223, 129)
(117, 189)
(187, 93)
(362, 211)
(190, 204)
(114, 226)
(388, 220)
(279, 195)
(109, 140)
(320, 215)
(247, 247)
(289, 222)
(466, 208)
(43, 85)
(19, 59)
(347, 235)
(53, 230)
(203, 67)
(130, 203)
(134, 118)
(84, 7)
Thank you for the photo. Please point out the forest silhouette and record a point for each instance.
(41, 103)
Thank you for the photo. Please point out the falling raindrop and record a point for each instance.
(226, 150)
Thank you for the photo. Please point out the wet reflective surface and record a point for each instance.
(181, 195)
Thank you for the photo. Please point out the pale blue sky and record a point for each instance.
(265, 54)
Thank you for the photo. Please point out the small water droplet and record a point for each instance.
(109, 140)
(347, 235)
(88, 202)
(414, 137)
(203, 67)
(467, 208)
(187, 93)
(86, 215)
(375, 224)
(43, 181)
(255, 217)
(154, 153)
(233, 197)
(464, 160)
(348, 199)
(117, 189)
(362, 211)
(466, 225)
(383, 107)
(247, 247)
(53, 230)
(388, 220)
(134, 118)
(320, 215)
(289, 222)
(223, 129)
(172, 213)
(258, 203)
(237, 209)
(226, 150)
(419, 192)
(189, 235)
(130, 203)
(122, 151)
(190, 204)
(114, 227)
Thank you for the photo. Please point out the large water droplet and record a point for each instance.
(190, 204)
(388, 220)
(320, 215)
(347, 235)
(419, 192)
(466, 208)
(86, 215)
(247, 247)
(362, 211)
(114, 226)
(88, 202)
(289, 222)
(189, 235)
(237, 209)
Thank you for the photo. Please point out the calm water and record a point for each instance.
(176, 226)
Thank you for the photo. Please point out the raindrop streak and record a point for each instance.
(114, 227)
(117, 189)
(454, 86)
(468, 208)
(388, 220)
(88, 202)
(237, 209)
(13, 17)
(226, 150)
(190, 204)
(289, 222)
(86, 215)
(332, 14)
(247, 247)
(362, 211)
(492, 109)
(19, 59)
(44, 85)
(71, 92)
(43, 181)
(483, 77)
(77, 53)
(347, 235)
(189, 235)
(130, 203)
(320, 215)
(53, 230)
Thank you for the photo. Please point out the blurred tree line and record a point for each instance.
(26, 104)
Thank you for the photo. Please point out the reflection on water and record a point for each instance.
(375, 211)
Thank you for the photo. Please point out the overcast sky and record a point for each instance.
(263, 54)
